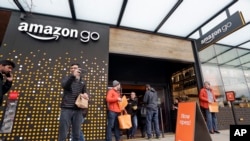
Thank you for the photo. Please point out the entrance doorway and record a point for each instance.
(134, 72)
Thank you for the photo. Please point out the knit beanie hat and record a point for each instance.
(115, 83)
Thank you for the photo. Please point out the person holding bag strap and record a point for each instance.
(206, 97)
(113, 98)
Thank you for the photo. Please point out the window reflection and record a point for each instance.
(228, 69)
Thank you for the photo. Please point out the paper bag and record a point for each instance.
(124, 121)
(81, 102)
(123, 103)
(213, 107)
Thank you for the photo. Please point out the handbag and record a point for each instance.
(124, 120)
(213, 107)
(81, 102)
(143, 111)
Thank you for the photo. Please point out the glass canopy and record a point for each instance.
(177, 18)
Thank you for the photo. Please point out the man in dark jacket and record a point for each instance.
(6, 77)
(151, 101)
(71, 115)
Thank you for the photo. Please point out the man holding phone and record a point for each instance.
(71, 115)
(6, 77)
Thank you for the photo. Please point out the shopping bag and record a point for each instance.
(123, 103)
(213, 107)
(124, 120)
(81, 102)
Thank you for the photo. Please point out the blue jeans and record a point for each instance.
(70, 118)
(152, 116)
(112, 123)
(81, 133)
(211, 120)
(132, 130)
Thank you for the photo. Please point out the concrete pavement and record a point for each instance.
(223, 136)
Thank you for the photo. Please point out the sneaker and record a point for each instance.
(149, 138)
(158, 137)
(217, 132)
(211, 132)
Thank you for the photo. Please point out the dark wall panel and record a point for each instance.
(40, 67)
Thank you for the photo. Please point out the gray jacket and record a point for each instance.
(151, 99)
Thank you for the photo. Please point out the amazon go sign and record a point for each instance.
(41, 32)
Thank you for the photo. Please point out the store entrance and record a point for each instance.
(134, 72)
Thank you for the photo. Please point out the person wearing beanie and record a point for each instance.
(112, 98)
(6, 77)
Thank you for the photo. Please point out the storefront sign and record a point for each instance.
(225, 28)
(41, 32)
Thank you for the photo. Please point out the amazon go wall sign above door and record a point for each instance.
(223, 29)
(47, 32)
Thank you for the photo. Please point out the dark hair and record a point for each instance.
(7, 62)
(75, 64)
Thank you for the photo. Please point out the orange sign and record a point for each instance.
(185, 124)
(230, 95)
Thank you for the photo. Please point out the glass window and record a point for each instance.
(227, 69)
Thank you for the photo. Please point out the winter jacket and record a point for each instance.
(203, 98)
(112, 100)
(130, 105)
(71, 89)
(150, 99)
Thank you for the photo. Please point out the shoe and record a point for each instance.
(211, 132)
(149, 138)
(217, 132)
(157, 137)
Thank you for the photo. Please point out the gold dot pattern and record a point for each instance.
(37, 78)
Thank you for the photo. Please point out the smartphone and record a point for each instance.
(7, 74)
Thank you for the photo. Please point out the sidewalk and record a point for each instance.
(223, 136)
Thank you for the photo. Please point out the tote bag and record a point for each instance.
(124, 120)
(81, 102)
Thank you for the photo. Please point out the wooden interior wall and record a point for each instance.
(148, 45)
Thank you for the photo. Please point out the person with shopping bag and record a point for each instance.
(113, 98)
(207, 97)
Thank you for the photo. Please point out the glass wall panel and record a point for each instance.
(234, 80)
(212, 74)
(227, 69)
(227, 56)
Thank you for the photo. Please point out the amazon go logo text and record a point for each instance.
(41, 32)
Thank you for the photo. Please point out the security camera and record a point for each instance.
(22, 16)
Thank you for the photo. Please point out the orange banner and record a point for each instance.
(185, 124)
